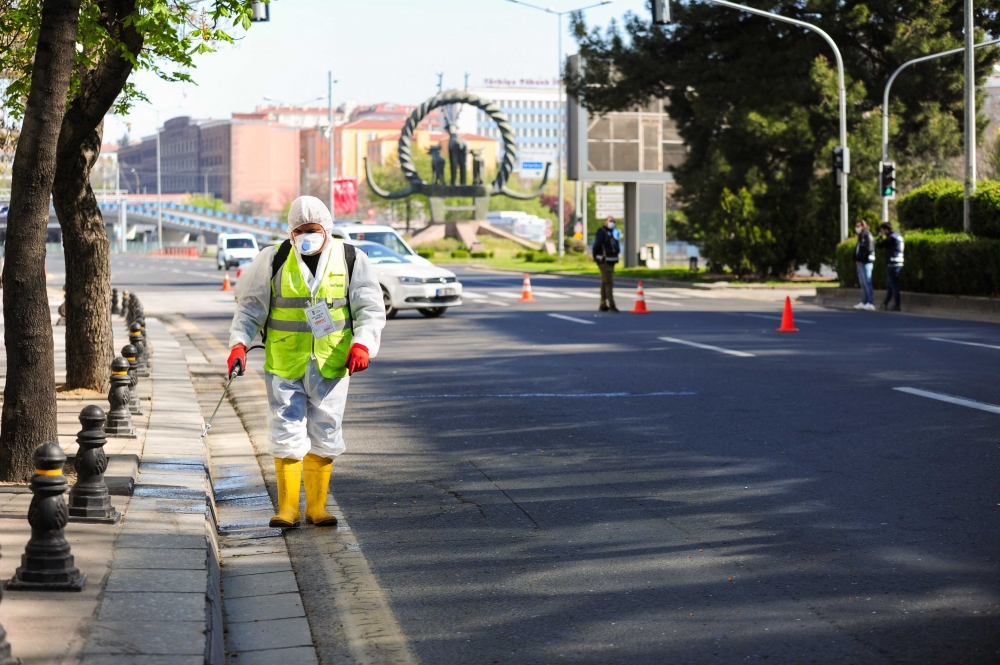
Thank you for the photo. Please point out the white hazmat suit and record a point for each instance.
(305, 414)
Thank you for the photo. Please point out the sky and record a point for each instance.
(378, 50)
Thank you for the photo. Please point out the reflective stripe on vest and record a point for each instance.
(290, 343)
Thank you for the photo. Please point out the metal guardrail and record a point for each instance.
(149, 212)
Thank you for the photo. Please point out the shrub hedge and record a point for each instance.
(935, 262)
(939, 203)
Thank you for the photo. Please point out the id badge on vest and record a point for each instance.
(320, 321)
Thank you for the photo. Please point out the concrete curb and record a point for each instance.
(633, 281)
(966, 308)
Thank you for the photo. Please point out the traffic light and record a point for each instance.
(661, 12)
(887, 180)
(261, 12)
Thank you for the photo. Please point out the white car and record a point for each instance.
(235, 249)
(380, 233)
(407, 284)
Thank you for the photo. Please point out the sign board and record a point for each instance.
(610, 201)
(640, 144)
(531, 163)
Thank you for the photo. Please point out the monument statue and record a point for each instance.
(458, 151)
(478, 167)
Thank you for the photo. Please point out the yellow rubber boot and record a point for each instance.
(289, 473)
(317, 476)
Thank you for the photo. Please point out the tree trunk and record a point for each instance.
(29, 407)
(89, 338)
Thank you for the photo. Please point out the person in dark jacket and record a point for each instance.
(606, 250)
(891, 243)
(864, 258)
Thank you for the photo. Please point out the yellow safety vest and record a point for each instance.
(290, 343)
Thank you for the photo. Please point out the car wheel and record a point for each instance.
(431, 312)
(390, 311)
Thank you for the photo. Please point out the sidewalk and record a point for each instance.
(152, 594)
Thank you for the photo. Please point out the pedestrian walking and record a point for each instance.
(891, 243)
(864, 259)
(319, 307)
(605, 251)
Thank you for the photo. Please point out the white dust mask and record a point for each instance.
(309, 243)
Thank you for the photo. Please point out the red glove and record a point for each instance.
(238, 359)
(357, 359)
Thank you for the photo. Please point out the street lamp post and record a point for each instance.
(332, 170)
(970, 116)
(560, 149)
(841, 89)
(885, 106)
(159, 188)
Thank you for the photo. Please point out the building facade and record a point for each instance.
(532, 107)
(253, 162)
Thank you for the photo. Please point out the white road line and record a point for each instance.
(951, 399)
(175, 270)
(546, 294)
(585, 294)
(664, 393)
(474, 295)
(709, 347)
(775, 317)
(571, 318)
(664, 302)
(504, 294)
(663, 294)
(955, 341)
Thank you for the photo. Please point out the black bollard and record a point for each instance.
(119, 419)
(47, 564)
(126, 300)
(135, 339)
(89, 499)
(130, 353)
(147, 348)
(115, 309)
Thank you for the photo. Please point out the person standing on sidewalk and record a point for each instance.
(319, 305)
(605, 251)
(864, 258)
(891, 243)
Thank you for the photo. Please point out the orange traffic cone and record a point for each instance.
(225, 283)
(787, 320)
(640, 303)
(526, 290)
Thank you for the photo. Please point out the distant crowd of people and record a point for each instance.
(891, 243)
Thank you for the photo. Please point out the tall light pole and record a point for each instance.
(332, 171)
(561, 130)
(885, 104)
(159, 189)
(970, 116)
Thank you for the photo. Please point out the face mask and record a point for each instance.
(610, 225)
(309, 243)
(857, 229)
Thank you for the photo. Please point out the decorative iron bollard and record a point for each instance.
(47, 564)
(147, 348)
(130, 354)
(89, 498)
(135, 339)
(115, 309)
(119, 419)
(126, 303)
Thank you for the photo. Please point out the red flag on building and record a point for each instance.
(345, 196)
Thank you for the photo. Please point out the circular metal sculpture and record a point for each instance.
(458, 155)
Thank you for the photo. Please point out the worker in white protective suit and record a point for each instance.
(319, 305)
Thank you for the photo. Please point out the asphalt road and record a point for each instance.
(532, 488)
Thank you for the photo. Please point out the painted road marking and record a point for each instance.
(504, 294)
(662, 302)
(547, 294)
(951, 399)
(775, 317)
(571, 318)
(474, 295)
(709, 347)
(664, 393)
(955, 341)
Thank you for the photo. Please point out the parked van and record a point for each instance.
(235, 249)
(521, 224)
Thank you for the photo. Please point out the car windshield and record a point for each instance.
(239, 243)
(380, 253)
(390, 240)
